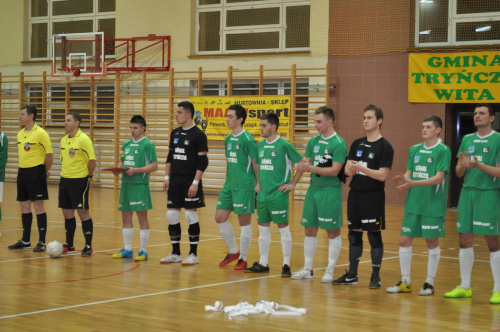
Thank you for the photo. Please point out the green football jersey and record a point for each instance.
(275, 161)
(487, 151)
(323, 153)
(137, 154)
(240, 150)
(424, 162)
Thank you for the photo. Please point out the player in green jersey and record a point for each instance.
(479, 204)
(139, 158)
(275, 157)
(325, 155)
(426, 180)
(238, 192)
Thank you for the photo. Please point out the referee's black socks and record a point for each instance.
(88, 230)
(70, 226)
(41, 220)
(27, 220)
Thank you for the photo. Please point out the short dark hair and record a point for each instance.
(240, 112)
(30, 109)
(488, 106)
(139, 119)
(436, 120)
(379, 114)
(272, 118)
(326, 111)
(76, 116)
(187, 106)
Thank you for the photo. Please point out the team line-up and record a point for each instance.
(265, 168)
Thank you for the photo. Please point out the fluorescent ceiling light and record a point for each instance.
(426, 1)
(425, 32)
(483, 29)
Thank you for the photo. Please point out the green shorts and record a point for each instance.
(134, 197)
(478, 211)
(275, 210)
(238, 201)
(323, 209)
(416, 225)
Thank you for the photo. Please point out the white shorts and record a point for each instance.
(1, 192)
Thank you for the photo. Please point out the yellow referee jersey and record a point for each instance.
(32, 146)
(75, 155)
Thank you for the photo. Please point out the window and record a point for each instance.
(249, 26)
(457, 22)
(49, 17)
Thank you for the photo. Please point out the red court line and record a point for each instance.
(136, 265)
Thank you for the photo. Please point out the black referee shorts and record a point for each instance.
(32, 184)
(178, 193)
(74, 193)
(366, 210)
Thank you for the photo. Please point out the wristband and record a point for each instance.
(195, 182)
(167, 177)
(91, 175)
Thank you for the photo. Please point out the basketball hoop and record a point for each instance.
(66, 74)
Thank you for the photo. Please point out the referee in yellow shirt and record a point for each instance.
(35, 159)
(78, 164)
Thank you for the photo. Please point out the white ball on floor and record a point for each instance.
(54, 249)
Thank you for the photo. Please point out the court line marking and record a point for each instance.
(156, 293)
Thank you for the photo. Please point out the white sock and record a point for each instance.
(310, 244)
(334, 247)
(286, 244)
(127, 237)
(405, 256)
(245, 240)
(466, 258)
(495, 269)
(144, 235)
(432, 264)
(226, 231)
(264, 244)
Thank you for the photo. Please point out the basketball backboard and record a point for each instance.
(78, 54)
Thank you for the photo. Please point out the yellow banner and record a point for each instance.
(454, 77)
(211, 112)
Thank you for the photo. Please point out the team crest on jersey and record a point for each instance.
(430, 160)
(238, 146)
(27, 146)
(486, 149)
(229, 146)
(359, 153)
(136, 151)
(71, 152)
(471, 148)
(261, 154)
(327, 151)
(176, 140)
(186, 142)
(416, 159)
(273, 154)
(316, 148)
(371, 155)
(127, 150)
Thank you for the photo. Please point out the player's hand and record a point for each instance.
(48, 174)
(131, 171)
(193, 189)
(165, 186)
(398, 179)
(465, 160)
(286, 187)
(304, 165)
(257, 188)
(406, 185)
(353, 166)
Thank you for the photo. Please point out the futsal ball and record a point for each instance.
(54, 249)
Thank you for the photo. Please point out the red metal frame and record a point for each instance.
(130, 54)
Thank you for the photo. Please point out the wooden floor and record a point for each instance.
(98, 293)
